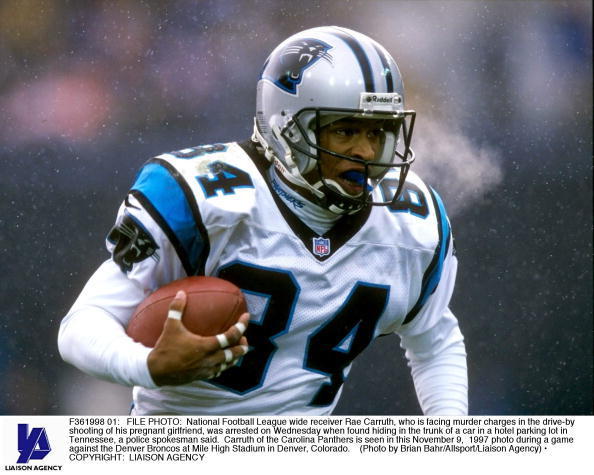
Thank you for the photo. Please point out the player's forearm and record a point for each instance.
(442, 382)
(437, 358)
(97, 344)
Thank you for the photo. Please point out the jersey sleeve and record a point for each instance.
(159, 235)
(430, 334)
(156, 239)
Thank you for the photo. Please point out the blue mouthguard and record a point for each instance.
(357, 177)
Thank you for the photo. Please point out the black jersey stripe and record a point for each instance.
(200, 264)
(162, 223)
(432, 274)
(361, 56)
(193, 254)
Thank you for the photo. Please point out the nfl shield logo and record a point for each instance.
(321, 246)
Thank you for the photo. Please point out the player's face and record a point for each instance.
(358, 138)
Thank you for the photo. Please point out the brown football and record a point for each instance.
(213, 305)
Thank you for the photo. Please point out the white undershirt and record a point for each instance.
(315, 217)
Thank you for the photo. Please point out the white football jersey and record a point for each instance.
(315, 301)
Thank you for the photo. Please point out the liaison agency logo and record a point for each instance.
(32, 446)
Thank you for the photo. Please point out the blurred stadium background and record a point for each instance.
(503, 92)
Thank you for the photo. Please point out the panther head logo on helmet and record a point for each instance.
(295, 58)
(298, 95)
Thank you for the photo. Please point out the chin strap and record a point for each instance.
(325, 196)
(294, 178)
(258, 139)
(333, 200)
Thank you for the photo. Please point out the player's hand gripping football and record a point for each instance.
(180, 356)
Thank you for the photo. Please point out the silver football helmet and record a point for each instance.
(317, 77)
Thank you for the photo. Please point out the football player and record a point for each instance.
(319, 222)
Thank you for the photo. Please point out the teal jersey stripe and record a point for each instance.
(167, 197)
(432, 275)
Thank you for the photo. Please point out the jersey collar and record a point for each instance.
(321, 246)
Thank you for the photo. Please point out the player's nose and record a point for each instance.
(363, 147)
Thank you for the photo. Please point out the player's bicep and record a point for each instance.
(431, 307)
(435, 327)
